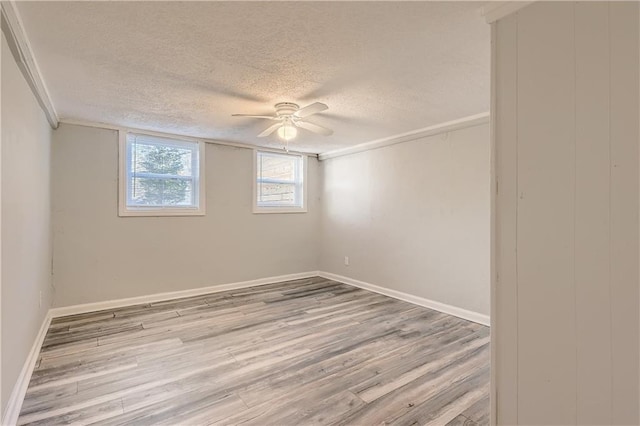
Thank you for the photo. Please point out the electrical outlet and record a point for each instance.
(346, 261)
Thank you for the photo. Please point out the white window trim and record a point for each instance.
(286, 209)
(125, 211)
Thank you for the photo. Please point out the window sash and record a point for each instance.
(133, 139)
(296, 202)
(278, 181)
(297, 182)
(147, 175)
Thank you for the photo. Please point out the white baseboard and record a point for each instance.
(159, 297)
(20, 388)
(416, 300)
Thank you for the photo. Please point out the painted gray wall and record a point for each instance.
(25, 218)
(566, 138)
(413, 217)
(100, 256)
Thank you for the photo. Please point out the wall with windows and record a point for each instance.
(26, 228)
(101, 256)
(413, 217)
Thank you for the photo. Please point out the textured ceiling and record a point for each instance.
(184, 67)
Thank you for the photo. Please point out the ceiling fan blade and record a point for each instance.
(270, 130)
(314, 128)
(311, 109)
(268, 117)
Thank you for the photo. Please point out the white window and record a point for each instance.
(280, 184)
(160, 176)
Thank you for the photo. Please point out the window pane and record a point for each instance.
(279, 180)
(161, 172)
(161, 159)
(276, 194)
(161, 192)
(278, 167)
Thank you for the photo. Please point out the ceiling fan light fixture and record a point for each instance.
(289, 117)
(287, 132)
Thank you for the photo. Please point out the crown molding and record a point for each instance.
(449, 126)
(495, 10)
(20, 46)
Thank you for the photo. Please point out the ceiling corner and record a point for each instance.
(495, 10)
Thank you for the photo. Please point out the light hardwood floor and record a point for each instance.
(310, 351)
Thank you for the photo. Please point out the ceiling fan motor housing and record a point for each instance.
(284, 109)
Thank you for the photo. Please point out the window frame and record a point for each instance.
(158, 211)
(279, 209)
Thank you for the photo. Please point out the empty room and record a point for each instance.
(336, 213)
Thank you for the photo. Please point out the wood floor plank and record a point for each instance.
(96, 353)
(391, 407)
(83, 415)
(408, 371)
(478, 412)
(309, 351)
(461, 420)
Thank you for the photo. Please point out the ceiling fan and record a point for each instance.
(289, 116)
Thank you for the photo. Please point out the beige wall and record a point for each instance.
(413, 217)
(26, 231)
(566, 139)
(100, 256)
